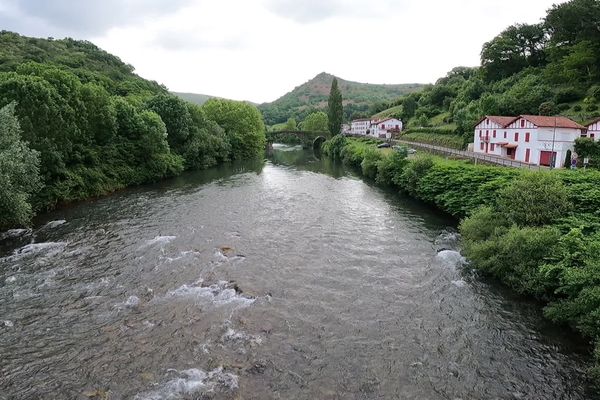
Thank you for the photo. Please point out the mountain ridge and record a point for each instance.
(312, 96)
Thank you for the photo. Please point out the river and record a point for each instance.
(285, 279)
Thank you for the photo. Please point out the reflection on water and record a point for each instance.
(289, 278)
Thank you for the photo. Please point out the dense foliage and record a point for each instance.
(19, 171)
(451, 141)
(312, 96)
(548, 68)
(538, 232)
(96, 127)
(315, 122)
(335, 109)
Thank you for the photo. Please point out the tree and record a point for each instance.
(291, 124)
(335, 109)
(19, 171)
(517, 47)
(243, 125)
(174, 113)
(315, 122)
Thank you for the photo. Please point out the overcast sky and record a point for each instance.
(260, 49)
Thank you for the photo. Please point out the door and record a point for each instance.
(510, 153)
(546, 158)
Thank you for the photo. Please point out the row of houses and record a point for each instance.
(533, 139)
(378, 128)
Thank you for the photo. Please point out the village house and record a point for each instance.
(593, 130)
(360, 126)
(383, 129)
(533, 139)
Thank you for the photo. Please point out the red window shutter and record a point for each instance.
(504, 134)
(481, 145)
(527, 153)
(516, 136)
(522, 123)
(494, 133)
(492, 146)
(527, 136)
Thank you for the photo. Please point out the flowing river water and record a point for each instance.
(288, 279)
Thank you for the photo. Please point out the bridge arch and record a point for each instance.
(318, 142)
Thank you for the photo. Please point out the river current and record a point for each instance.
(285, 279)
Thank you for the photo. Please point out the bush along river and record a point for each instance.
(285, 279)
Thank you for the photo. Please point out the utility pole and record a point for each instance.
(553, 156)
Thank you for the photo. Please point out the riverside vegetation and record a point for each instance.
(538, 232)
(76, 122)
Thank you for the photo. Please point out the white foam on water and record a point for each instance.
(11, 279)
(450, 258)
(219, 293)
(54, 224)
(46, 249)
(8, 324)
(459, 283)
(232, 335)
(160, 240)
(132, 302)
(192, 382)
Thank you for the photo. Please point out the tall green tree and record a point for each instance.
(335, 109)
(19, 171)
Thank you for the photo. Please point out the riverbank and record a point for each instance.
(538, 232)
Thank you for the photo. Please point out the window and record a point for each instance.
(492, 146)
(494, 134)
(527, 154)
(527, 136)
(504, 134)
(480, 134)
(516, 136)
(592, 135)
(522, 123)
(481, 146)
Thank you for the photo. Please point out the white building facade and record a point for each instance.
(385, 128)
(593, 130)
(532, 139)
(360, 126)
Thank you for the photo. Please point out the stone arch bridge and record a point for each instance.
(307, 139)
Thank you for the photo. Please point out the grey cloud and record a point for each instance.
(80, 17)
(307, 11)
(186, 40)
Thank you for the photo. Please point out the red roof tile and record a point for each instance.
(550, 122)
(502, 121)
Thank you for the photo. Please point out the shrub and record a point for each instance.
(414, 172)
(369, 163)
(389, 169)
(534, 199)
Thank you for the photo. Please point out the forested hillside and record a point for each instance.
(548, 68)
(193, 97)
(77, 122)
(311, 96)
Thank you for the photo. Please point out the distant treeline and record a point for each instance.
(76, 123)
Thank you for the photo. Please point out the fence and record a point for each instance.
(469, 155)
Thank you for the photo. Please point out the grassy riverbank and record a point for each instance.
(538, 232)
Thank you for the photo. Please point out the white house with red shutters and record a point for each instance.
(533, 139)
(593, 130)
(385, 128)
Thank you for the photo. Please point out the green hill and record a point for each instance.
(550, 68)
(195, 98)
(82, 58)
(312, 96)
